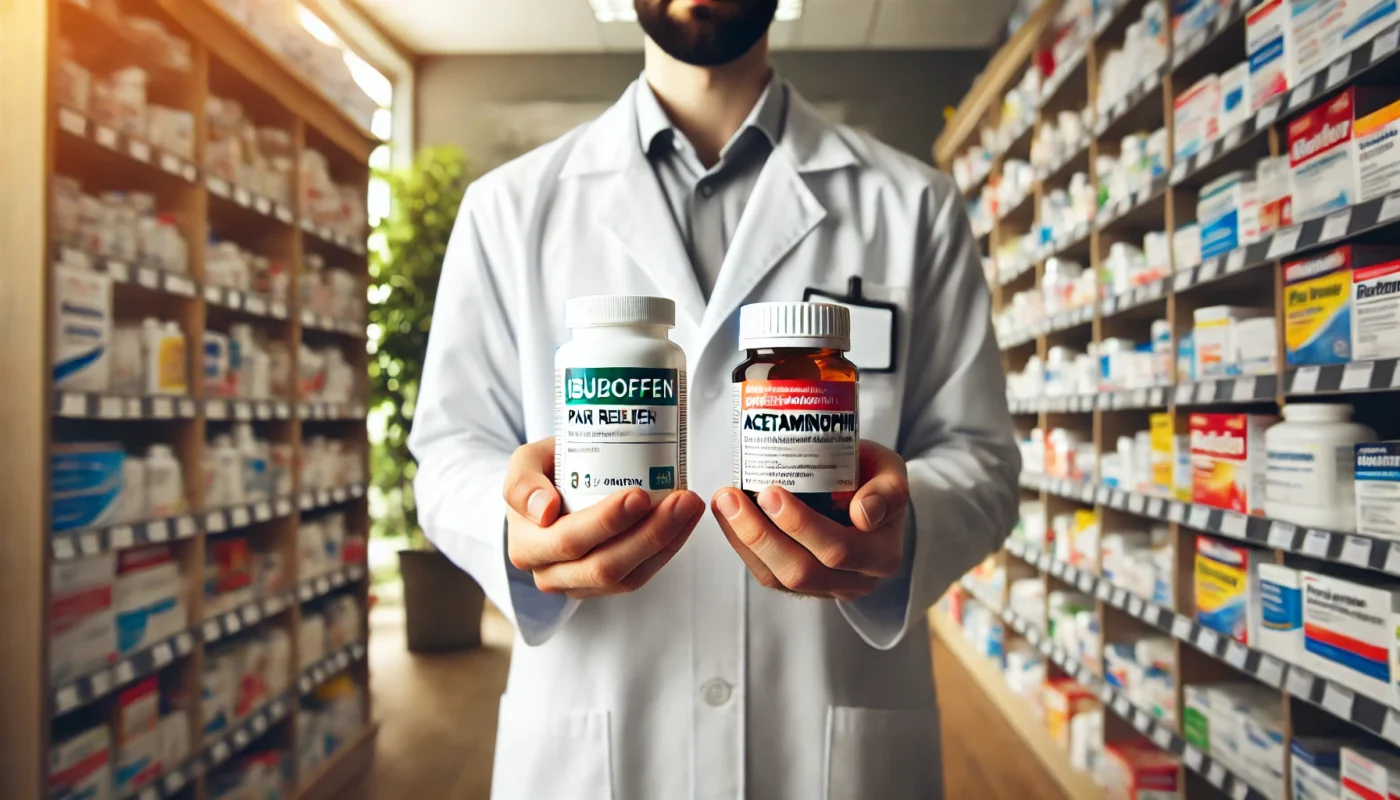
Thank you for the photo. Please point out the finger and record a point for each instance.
(574, 535)
(760, 570)
(885, 490)
(529, 485)
(834, 545)
(645, 571)
(605, 567)
(792, 564)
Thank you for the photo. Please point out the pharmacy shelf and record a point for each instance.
(330, 411)
(87, 405)
(1124, 400)
(336, 773)
(236, 517)
(1134, 210)
(1072, 241)
(1077, 156)
(229, 623)
(1068, 77)
(1222, 34)
(243, 198)
(1353, 378)
(1020, 214)
(314, 676)
(1373, 553)
(86, 542)
(122, 271)
(1011, 276)
(1136, 109)
(322, 585)
(1159, 733)
(1330, 696)
(246, 302)
(315, 499)
(1227, 391)
(95, 685)
(1134, 298)
(1015, 708)
(325, 324)
(244, 733)
(332, 237)
(246, 410)
(1223, 149)
(73, 123)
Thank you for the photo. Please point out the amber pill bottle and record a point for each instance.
(796, 422)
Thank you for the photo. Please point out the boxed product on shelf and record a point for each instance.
(1221, 335)
(242, 675)
(1228, 212)
(1234, 97)
(1364, 19)
(1241, 726)
(228, 265)
(246, 363)
(138, 739)
(1228, 467)
(1275, 180)
(73, 82)
(1063, 700)
(1196, 117)
(1369, 772)
(228, 575)
(120, 225)
(1317, 307)
(1349, 632)
(1315, 31)
(87, 485)
(1139, 771)
(1186, 246)
(331, 292)
(81, 765)
(324, 375)
(171, 129)
(1322, 155)
(1227, 587)
(1161, 428)
(1026, 597)
(1375, 328)
(257, 774)
(1377, 161)
(334, 714)
(82, 621)
(1316, 766)
(327, 463)
(1378, 489)
(1025, 670)
(240, 467)
(1267, 41)
(149, 598)
(1255, 343)
(119, 100)
(259, 159)
(341, 207)
(1279, 614)
(82, 329)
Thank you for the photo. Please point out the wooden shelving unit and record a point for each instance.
(1250, 275)
(43, 138)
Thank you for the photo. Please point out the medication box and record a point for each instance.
(1322, 156)
(1226, 583)
(147, 598)
(82, 329)
(1280, 615)
(1234, 97)
(1228, 460)
(1196, 122)
(1316, 29)
(1348, 632)
(1317, 308)
(87, 485)
(1369, 773)
(1138, 771)
(1377, 157)
(1378, 489)
(1217, 339)
(1266, 42)
(83, 634)
(1161, 427)
(1364, 19)
(1316, 767)
(81, 766)
(1375, 330)
(1228, 212)
(1063, 700)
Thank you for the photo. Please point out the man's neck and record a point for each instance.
(708, 104)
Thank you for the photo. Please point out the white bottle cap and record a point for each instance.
(619, 309)
(815, 325)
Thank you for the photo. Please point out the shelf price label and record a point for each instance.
(1356, 550)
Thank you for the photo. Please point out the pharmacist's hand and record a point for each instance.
(796, 549)
(611, 547)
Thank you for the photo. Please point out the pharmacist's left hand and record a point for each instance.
(794, 548)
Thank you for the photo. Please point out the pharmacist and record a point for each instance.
(666, 652)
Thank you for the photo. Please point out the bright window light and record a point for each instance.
(624, 11)
(316, 27)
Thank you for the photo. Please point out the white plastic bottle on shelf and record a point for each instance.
(1311, 473)
(241, 349)
(230, 463)
(134, 506)
(254, 458)
(165, 483)
(164, 357)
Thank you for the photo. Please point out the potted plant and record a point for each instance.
(442, 604)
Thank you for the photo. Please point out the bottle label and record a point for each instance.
(801, 435)
(618, 428)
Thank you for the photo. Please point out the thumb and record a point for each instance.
(529, 486)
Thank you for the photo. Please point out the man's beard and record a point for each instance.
(709, 36)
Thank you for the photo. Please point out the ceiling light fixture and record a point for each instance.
(625, 11)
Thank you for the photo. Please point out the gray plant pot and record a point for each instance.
(442, 604)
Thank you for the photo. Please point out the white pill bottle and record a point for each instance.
(1311, 476)
(619, 400)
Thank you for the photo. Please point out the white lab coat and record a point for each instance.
(703, 684)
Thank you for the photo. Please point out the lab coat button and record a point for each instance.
(715, 692)
(707, 190)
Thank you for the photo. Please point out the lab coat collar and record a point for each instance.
(781, 211)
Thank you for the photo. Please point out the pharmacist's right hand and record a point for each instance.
(612, 547)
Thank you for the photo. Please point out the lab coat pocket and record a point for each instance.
(892, 755)
(542, 753)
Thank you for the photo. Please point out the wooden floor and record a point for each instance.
(438, 723)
